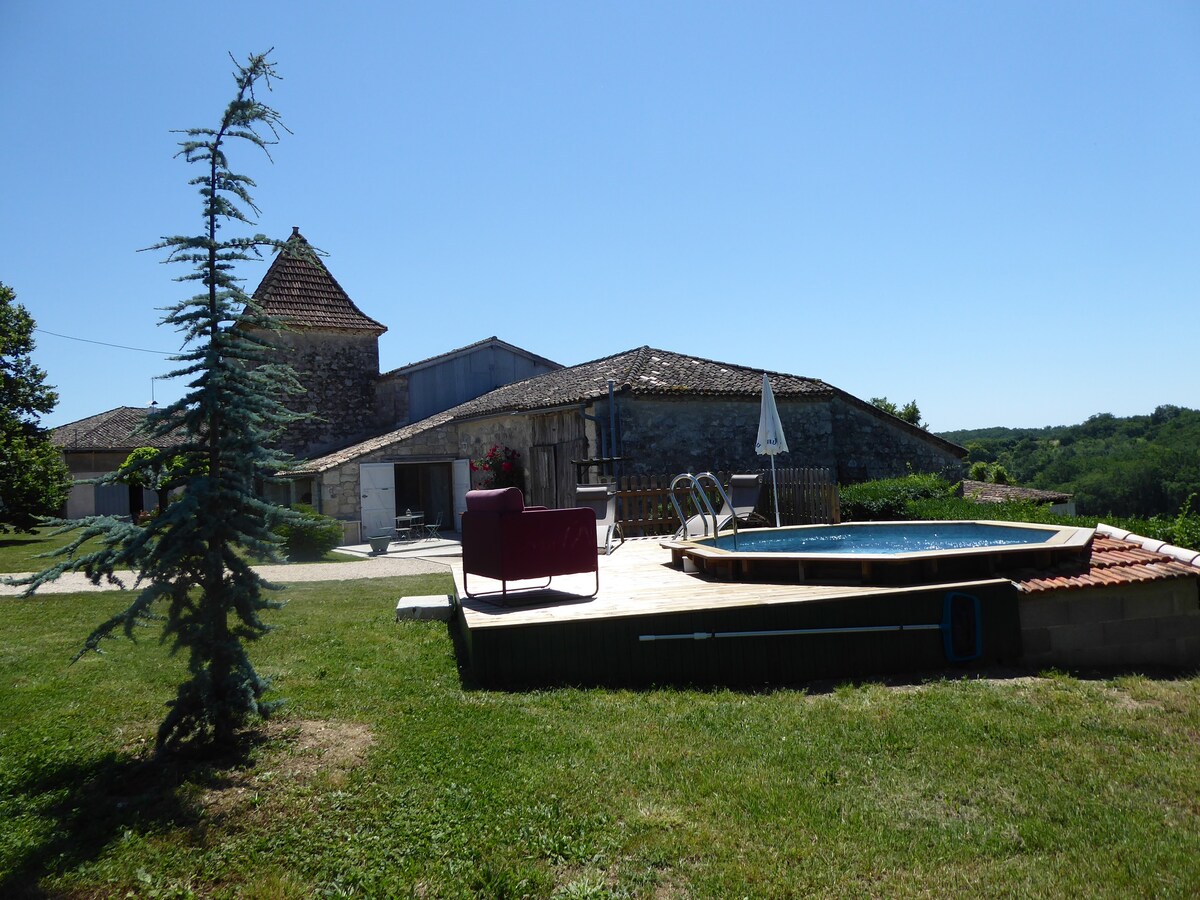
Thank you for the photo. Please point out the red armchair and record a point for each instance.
(508, 541)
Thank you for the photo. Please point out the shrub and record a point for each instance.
(310, 538)
(888, 498)
(1015, 511)
(1185, 531)
(991, 472)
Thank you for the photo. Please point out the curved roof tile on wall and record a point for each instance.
(1117, 558)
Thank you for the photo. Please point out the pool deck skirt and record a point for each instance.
(652, 623)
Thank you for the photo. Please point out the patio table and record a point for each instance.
(410, 526)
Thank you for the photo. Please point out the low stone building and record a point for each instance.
(98, 445)
(989, 492)
(643, 411)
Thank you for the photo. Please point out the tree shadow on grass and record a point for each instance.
(82, 807)
(18, 540)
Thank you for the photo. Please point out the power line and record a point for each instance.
(102, 343)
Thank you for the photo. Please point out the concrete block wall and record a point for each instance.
(1147, 624)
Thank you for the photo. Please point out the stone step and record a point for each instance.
(427, 606)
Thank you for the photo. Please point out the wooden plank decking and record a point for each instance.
(637, 579)
(562, 636)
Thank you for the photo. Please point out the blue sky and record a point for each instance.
(990, 208)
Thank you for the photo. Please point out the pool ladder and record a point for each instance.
(700, 498)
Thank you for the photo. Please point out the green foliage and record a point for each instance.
(909, 412)
(158, 470)
(1142, 466)
(991, 472)
(310, 535)
(34, 480)
(888, 499)
(951, 507)
(192, 558)
(1185, 529)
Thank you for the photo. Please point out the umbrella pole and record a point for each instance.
(775, 490)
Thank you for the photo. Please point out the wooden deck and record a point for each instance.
(651, 623)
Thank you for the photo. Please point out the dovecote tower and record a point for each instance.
(332, 345)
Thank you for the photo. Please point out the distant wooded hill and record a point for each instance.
(1135, 466)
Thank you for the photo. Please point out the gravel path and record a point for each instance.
(366, 567)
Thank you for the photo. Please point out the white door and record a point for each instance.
(462, 483)
(378, 483)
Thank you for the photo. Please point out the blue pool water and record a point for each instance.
(890, 537)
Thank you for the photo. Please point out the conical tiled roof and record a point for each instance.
(299, 291)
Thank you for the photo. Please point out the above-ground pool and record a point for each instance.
(882, 552)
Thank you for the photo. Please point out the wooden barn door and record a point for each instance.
(543, 485)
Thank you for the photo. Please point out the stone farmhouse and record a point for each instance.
(98, 445)
(378, 442)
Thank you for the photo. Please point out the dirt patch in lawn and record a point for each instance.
(294, 754)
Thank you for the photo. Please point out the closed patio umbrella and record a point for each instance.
(770, 436)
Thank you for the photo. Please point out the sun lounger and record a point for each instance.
(743, 493)
(602, 500)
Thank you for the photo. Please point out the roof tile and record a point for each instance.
(1111, 561)
(986, 492)
(116, 429)
(299, 291)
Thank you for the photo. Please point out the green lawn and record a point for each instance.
(384, 777)
(20, 552)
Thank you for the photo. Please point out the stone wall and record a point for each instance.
(339, 487)
(475, 438)
(871, 445)
(690, 435)
(1148, 624)
(391, 401)
(664, 436)
(339, 371)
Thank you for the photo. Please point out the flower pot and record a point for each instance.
(379, 542)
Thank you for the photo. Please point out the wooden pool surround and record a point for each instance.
(923, 567)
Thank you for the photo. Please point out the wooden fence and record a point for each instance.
(806, 497)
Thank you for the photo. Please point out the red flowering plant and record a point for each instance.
(499, 467)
